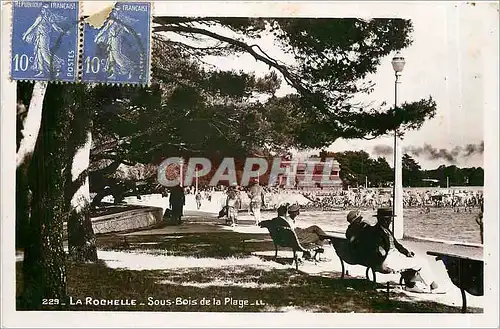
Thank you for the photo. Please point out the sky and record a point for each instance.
(448, 60)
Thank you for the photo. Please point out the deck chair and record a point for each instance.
(284, 236)
(373, 264)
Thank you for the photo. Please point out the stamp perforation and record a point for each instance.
(144, 60)
(150, 61)
(11, 35)
(45, 59)
(81, 25)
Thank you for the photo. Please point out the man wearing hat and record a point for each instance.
(312, 234)
(395, 256)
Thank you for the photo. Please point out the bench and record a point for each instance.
(284, 236)
(466, 273)
(341, 246)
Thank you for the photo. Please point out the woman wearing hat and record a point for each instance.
(356, 224)
(354, 235)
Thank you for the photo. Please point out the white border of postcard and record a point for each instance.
(487, 16)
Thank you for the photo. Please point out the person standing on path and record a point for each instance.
(198, 200)
(257, 200)
(177, 202)
(479, 221)
(233, 204)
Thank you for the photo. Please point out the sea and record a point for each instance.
(438, 224)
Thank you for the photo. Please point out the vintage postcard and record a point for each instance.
(249, 164)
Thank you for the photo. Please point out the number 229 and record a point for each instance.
(47, 301)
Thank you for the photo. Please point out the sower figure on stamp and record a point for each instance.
(39, 34)
(257, 200)
(112, 36)
(177, 202)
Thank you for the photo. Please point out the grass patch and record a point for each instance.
(289, 288)
(232, 288)
(211, 244)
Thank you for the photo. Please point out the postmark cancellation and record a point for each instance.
(45, 40)
(118, 52)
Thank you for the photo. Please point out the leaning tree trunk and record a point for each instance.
(81, 238)
(28, 128)
(32, 122)
(44, 271)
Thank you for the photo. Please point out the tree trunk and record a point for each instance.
(30, 127)
(44, 271)
(81, 238)
(23, 204)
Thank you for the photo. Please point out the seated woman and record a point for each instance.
(355, 238)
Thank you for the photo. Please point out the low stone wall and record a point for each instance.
(126, 220)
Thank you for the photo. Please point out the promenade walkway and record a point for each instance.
(202, 222)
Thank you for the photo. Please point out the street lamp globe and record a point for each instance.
(398, 63)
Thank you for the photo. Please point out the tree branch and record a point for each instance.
(290, 77)
(114, 157)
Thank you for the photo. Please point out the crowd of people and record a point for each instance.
(459, 200)
(371, 198)
(256, 197)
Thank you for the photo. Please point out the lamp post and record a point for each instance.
(181, 172)
(196, 172)
(398, 64)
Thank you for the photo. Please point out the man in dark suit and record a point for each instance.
(384, 237)
(177, 201)
(395, 257)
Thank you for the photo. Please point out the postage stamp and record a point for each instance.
(45, 41)
(119, 51)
